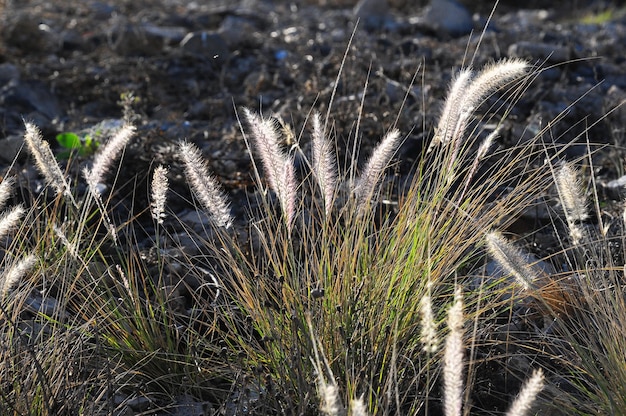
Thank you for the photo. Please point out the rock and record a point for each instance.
(169, 35)
(368, 8)
(205, 44)
(135, 40)
(234, 30)
(9, 74)
(449, 17)
(540, 51)
(10, 147)
(189, 406)
(31, 100)
(47, 306)
(29, 35)
(615, 189)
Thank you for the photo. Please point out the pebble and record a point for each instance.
(205, 44)
(135, 40)
(10, 148)
(543, 52)
(30, 100)
(448, 17)
(47, 306)
(616, 188)
(9, 74)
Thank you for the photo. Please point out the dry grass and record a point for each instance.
(325, 291)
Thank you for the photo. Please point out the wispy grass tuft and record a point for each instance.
(205, 187)
(45, 161)
(277, 165)
(6, 189)
(453, 362)
(366, 185)
(528, 395)
(571, 196)
(12, 277)
(160, 186)
(324, 165)
(105, 157)
(511, 259)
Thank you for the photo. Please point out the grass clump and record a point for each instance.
(333, 287)
(324, 266)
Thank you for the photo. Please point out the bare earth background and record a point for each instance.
(190, 66)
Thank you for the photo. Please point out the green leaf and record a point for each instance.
(69, 140)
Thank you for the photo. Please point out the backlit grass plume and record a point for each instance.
(160, 186)
(467, 92)
(571, 196)
(205, 187)
(45, 161)
(11, 277)
(277, 165)
(366, 184)
(324, 165)
(511, 259)
(105, 157)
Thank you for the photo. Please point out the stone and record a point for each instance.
(135, 40)
(540, 51)
(205, 44)
(449, 17)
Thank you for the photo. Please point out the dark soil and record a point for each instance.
(191, 66)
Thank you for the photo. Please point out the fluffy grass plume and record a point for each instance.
(510, 258)
(10, 219)
(451, 110)
(15, 273)
(6, 189)
(45, 161)
(277, 165)
(453, 362)
(528, 395)
(428, 335)
(324, 166)
(571, 196)
(468, 92)
(204, 186)
(367, 183)
(160, 186)
(106, 156)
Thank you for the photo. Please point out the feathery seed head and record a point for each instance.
(428, 333)
(453, 359)
(510, 259)
(10, 219)
(491, 79)
(329, 395)
(105, 158)
(204, 186)
(6, 188)
(357, 407)
(468, 92)
(324, 168)
(278, 166)
(527, 395)
(160, 186)
(45, 161)
(367, 183)
(451, 110)
(486, 144)
(16, 272)
(569, 187)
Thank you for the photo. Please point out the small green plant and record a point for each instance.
(74, 144)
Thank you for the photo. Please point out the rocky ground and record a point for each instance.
(187, 68)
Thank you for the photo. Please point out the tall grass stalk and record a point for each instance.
(358, 274)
